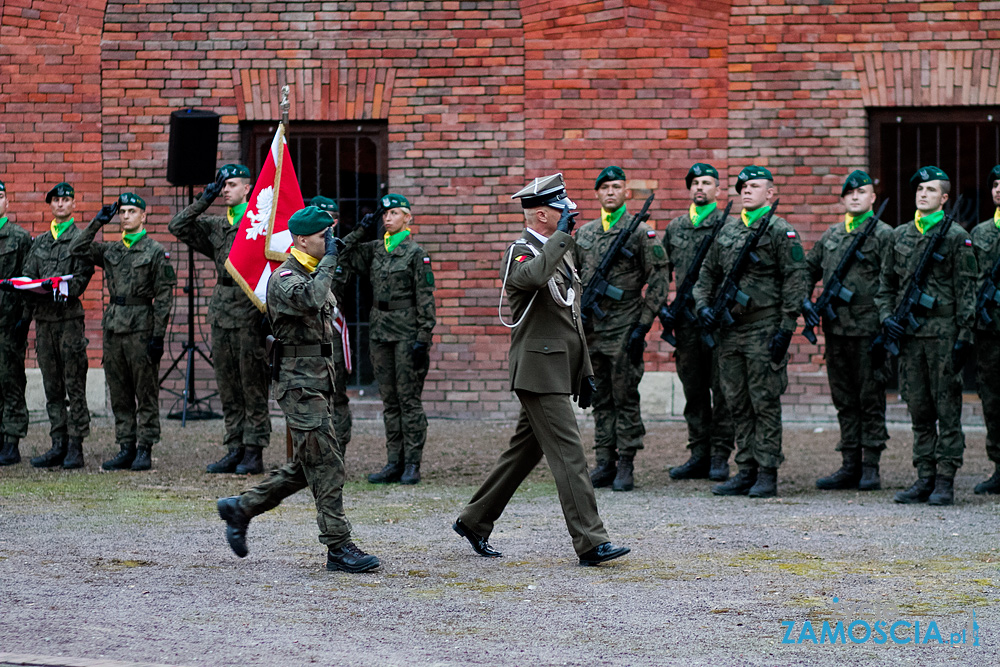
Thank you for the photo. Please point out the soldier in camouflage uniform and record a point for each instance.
(986, 243)
(710, 426)
(753, 355)
(140, 283)
(858, 392)
(14, 246)
(60, 340)
(931, 358)
(616, 341)
(300, 305)
(401, 329)
(237, 336)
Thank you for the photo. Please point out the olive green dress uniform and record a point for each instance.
(751, 383)
(618, 427)
(238, 355)
(986, 244)
(402, 313)
(14, 246)
(709, 423)
(140, 283)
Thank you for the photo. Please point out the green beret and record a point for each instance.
(394, 201)
(751, 173)
(3, 188)
(700, 169)
(308, 221)
(63, 189)
(925, 174)
(132, 199)
(855, 180)
(611, 173)
(325, 204)
(234, 171)
(994, 176)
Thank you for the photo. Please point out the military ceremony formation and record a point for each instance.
(921, 298)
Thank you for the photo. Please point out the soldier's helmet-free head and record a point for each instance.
(991, 180)
(752, 173)
(325, 204)
(699, 169)
(132, 199)
(931, 187)
(609, 173)
(545, 191)
(131, 211)
(927, 174)
(396, 215)
(63, 189)
(856, 179)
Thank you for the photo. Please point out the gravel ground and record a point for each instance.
(133, 566)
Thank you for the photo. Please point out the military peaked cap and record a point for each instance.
(545, 191)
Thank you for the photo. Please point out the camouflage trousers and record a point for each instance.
(753, 386)
(317, 463)
(400, 384)
(341, 403)
(13, 410)
(709, 424)
(61, 350)
(618, 427)
(133, 384)
(933, 393)
(858, 395)
(988, 380)
(241, 373)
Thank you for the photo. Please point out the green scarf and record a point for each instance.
(853, 223)
(3, 221)
(699, 213)
(235, 213)
(996, 217)
(57, 229)
(608, 220)
(130, 239)
(925, 222)
(395, 239)
(750, 217)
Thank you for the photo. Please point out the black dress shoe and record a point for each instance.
(349, 558)
(236, 524)
(479, 544)
(603, 552)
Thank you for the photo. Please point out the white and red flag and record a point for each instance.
(59, 285)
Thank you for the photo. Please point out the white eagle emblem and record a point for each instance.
(259, 218)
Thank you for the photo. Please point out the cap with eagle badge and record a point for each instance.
(234, 171)
(700, 169)
(63, 189)
(994, 176)
(325, 204)
(131, 199)
(856, 179)
(925, 174)
(545, 191)
(609, 173)
(309, 220)
(752, 173)
(391, 201)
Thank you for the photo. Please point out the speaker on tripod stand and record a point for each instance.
(194, 142)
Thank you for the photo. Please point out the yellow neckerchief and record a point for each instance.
(750, 217)
(925, 222)
(3, 221)
(699, 213)
(58, 229)
(852, 223)
(305, 260)
(130, 239)
(235, 213)
(393, 240)
(996, 217)
(608, 220)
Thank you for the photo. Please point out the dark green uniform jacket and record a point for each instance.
(49, 257)
(14, 246)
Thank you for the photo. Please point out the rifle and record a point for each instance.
(729, 293)
(914, 296)
(989, 295)
(680, 308)
(599, 285)
(834, 288)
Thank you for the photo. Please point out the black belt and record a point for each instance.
(942, 311)
(757, 315)
(130, 301)
(315, 350)
(867, 300)
(227, 281)
(399, 304)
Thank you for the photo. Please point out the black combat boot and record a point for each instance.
(143, 459)
(411, 474)
(74, 453)
(387, 475)
(252, 463)
(870, 479)
(847, 477)
(10, 454)
(349, 558)
(991, 485)
(919, 492)
(719, 471)
(236, 524)
(123, 459)
(228, 463)
(696, 467)
(739, 485)
(944, 491)
(604, 474)
(766, 485)
(623, 478)
(54, 457)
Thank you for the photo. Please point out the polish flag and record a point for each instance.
(263, 240)
(60, 285)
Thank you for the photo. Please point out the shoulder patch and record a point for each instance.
(968, 243)
(521, 258)
(427, 260)
(658, 251)
(651, 234)
(790, 233)
(970, 264)
(797, 253)
(285, 273)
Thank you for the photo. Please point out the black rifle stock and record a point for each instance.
(598, 285)
(682, 305)
(834, 290)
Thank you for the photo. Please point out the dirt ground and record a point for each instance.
(134, 567)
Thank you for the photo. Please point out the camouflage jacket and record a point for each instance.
(212, 236)
(52, 257)
(986, 244)
(140, 281)
(300, 306)
(860, 318)
(951, 282)
(402, 287)
(648, 264)
(14, 246)
(777, 282)
(681, 240)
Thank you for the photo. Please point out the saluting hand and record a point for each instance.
(213, 189)
(566, 221)
(107, 212)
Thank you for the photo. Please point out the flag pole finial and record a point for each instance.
(285, 105)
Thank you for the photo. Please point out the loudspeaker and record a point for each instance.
(194, 141)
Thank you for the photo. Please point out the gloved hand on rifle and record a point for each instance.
(636, 343)
(778, 346)
(330, 249)
(587, 389)
(810, 313)
(706, 318)
(213, 189)
(420, 353)
(566, 220)
(960, 353)
(154, 349)
(893, 328)
(667, 320)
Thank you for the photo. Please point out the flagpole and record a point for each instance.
(285, 106)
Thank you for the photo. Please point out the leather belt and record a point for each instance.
(757, 315)
(867, 300)
(227, 281)
(399, 304)
(130, 301)
(315, 350)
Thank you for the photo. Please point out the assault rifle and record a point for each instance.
(914, 297)
(989, 295)
(834, 289)
(599, 285)
(681, 307)
(729, 293)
